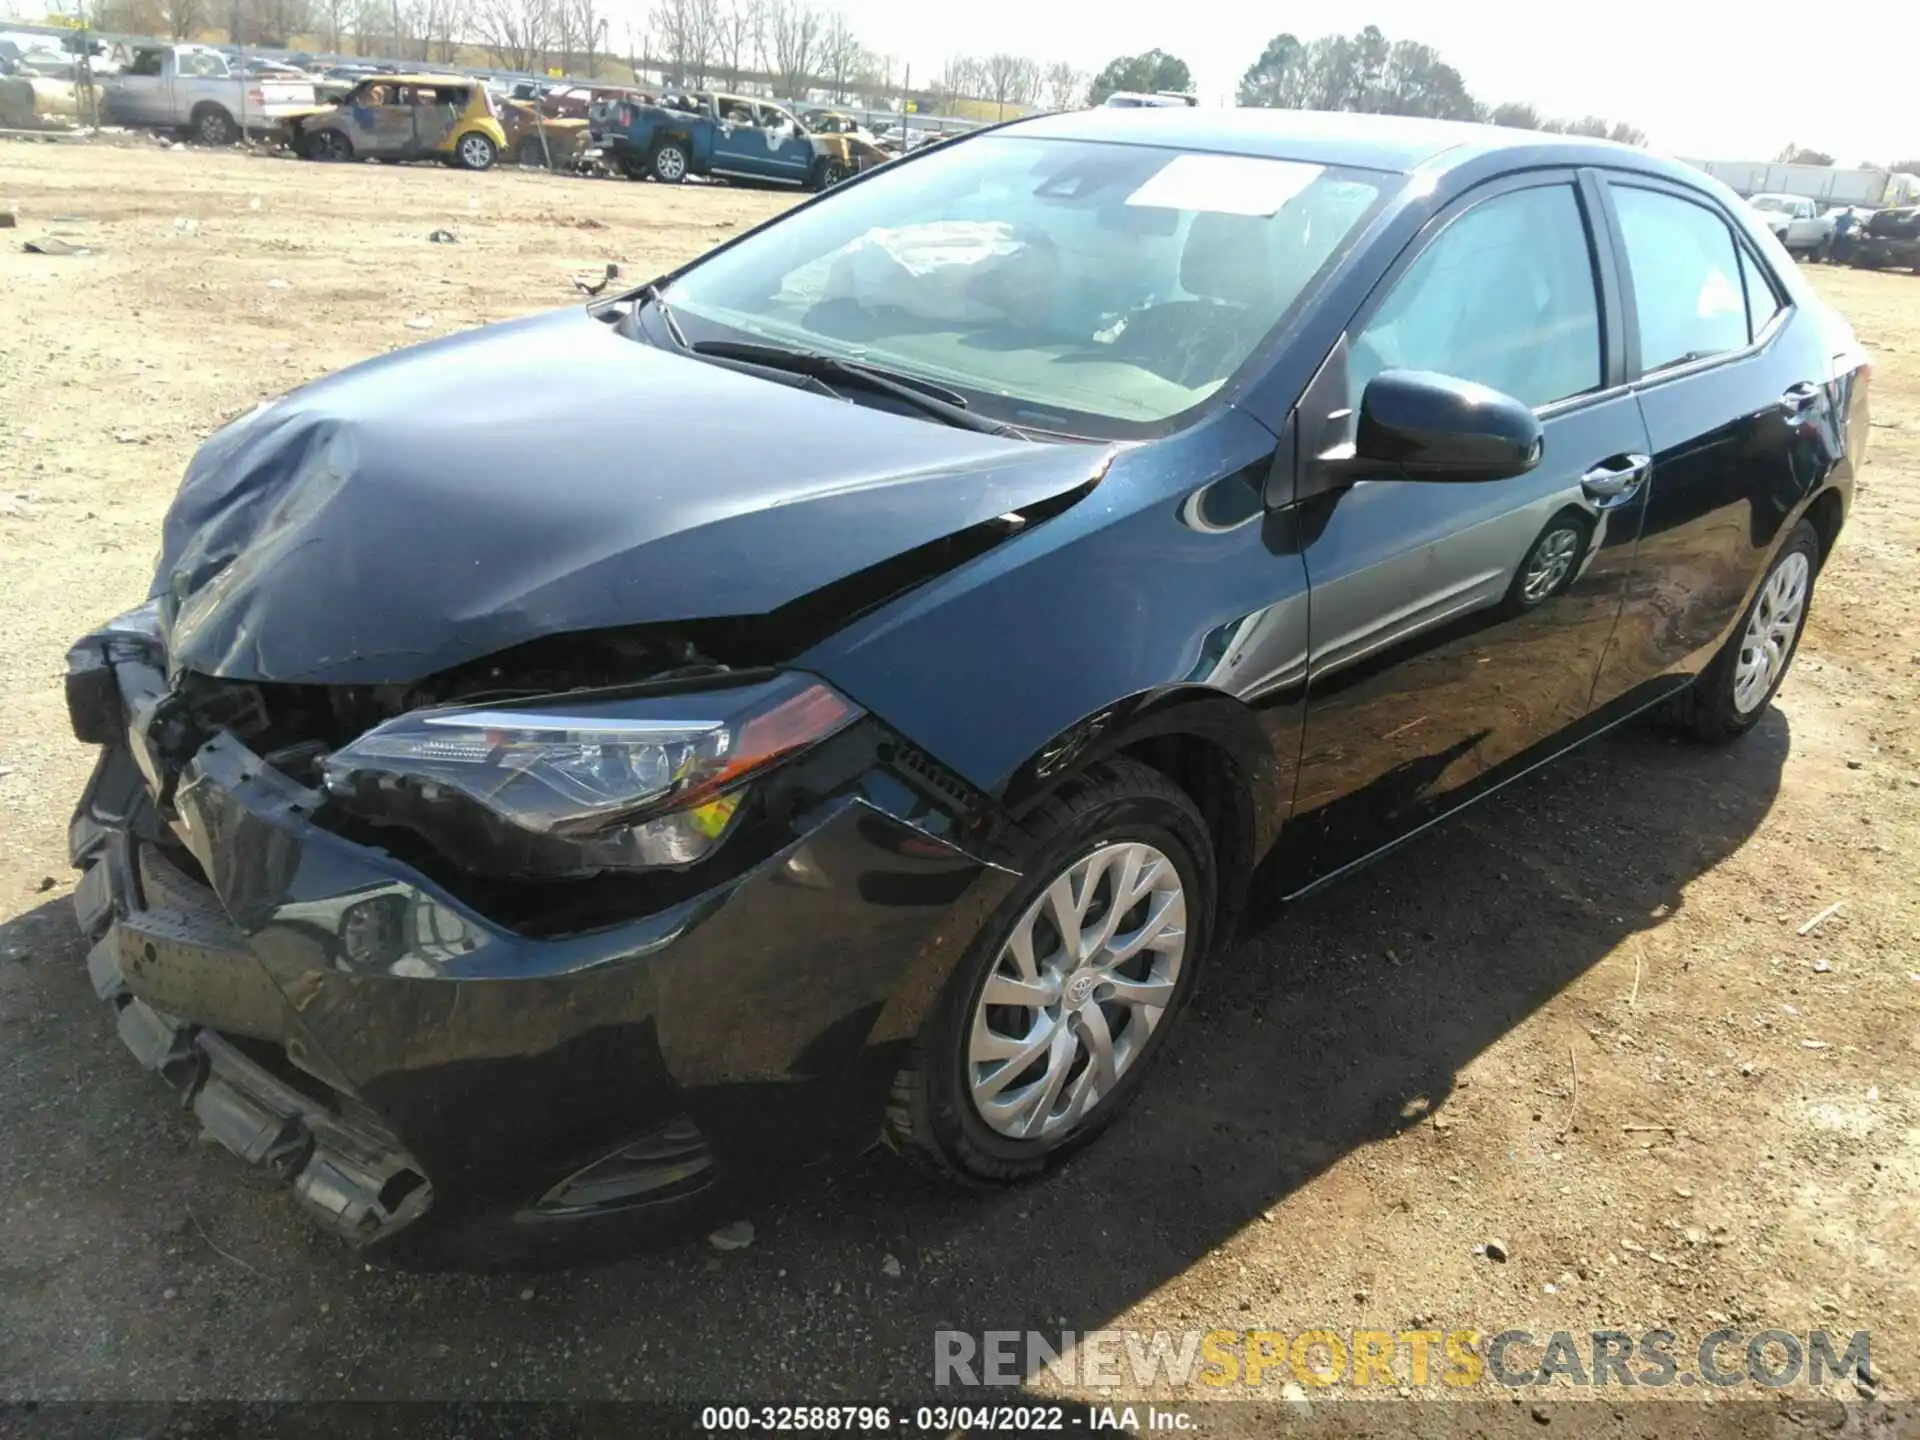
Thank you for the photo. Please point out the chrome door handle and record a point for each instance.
(1798, 398)
(1610, 483)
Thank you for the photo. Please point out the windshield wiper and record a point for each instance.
(650, 292)
(924, 395)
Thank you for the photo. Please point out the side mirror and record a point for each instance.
(1434, 427)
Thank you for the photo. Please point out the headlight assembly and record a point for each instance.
(586, 782)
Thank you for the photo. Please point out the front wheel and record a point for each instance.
(1051, 1021)
(1728, 698)
(530, 154)
(475, 152)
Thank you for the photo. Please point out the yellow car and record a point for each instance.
(403, 117)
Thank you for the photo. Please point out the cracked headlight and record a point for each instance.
(584, 782)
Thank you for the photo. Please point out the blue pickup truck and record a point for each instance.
(727, 136)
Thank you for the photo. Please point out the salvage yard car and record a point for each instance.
(862, 677)
(728, 136)
(194, 88)
(1796, 222)
(1890, 237)
(403, 117)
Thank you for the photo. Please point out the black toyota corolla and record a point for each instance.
(856, 680)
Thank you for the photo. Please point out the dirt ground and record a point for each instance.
(1579, 1022)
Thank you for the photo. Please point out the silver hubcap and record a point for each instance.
(1771, 629)
(1551, 562)
(1077, 989)
(476, 151)
(672, 164)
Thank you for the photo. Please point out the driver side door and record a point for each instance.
(1456, 629)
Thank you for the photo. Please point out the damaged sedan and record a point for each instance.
(855, 682)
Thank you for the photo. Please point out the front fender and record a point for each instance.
(1165, 587)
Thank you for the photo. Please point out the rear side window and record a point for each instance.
(1686, 278)
(1503, 296)
(1762, 302)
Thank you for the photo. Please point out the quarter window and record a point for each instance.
(1762, 303)
(1686, 278)
(1504, 296)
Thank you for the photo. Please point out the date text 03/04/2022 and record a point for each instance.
(1037, 1418)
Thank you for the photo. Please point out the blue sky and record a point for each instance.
(1736, 85)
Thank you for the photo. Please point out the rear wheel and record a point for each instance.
(329, 145)
(214, 126)
(669, 163)
(1728, 698)
(1049, 1025)
(828, 173)
(530, 153)
(475, 151)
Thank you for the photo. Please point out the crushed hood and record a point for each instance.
(540, 477)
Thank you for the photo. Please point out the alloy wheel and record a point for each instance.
(1553, 557)
(670, 164)
(476, 152)
(1771, 630)
(1076, 990)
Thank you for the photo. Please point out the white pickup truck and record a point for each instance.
(193, 88)
(1796, 222)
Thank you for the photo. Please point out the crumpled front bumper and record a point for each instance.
(334, 1014)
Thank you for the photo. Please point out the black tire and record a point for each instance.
(827, 173)
(474, 151)
(930, 1112)
(212, 125)
(328, 146)
(529, 153)
(1708, 710)
(668, 163)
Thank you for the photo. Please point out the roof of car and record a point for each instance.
(421, 79)
(1371, 142)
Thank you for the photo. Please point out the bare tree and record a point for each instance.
(793, 40)
(840, 54)
(961, 78)
(1063, 85)
(1011, 80)
(590, 23)
(736, 38)
(182, 17)
(333, 16)
(515, 32)
(687, 32)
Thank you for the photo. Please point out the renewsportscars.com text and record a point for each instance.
(1457, 1359)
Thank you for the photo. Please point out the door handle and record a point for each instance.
(1797, 398)
(1613, 481)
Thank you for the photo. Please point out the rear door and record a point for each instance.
(1731, 377)
(436, 110)
(1456, 629)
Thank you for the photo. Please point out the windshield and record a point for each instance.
(1772, 202)
(1057, 285)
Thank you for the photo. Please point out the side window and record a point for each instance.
(1504, 296)
(146, 62)
(1762, 302)
(1686, 277)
